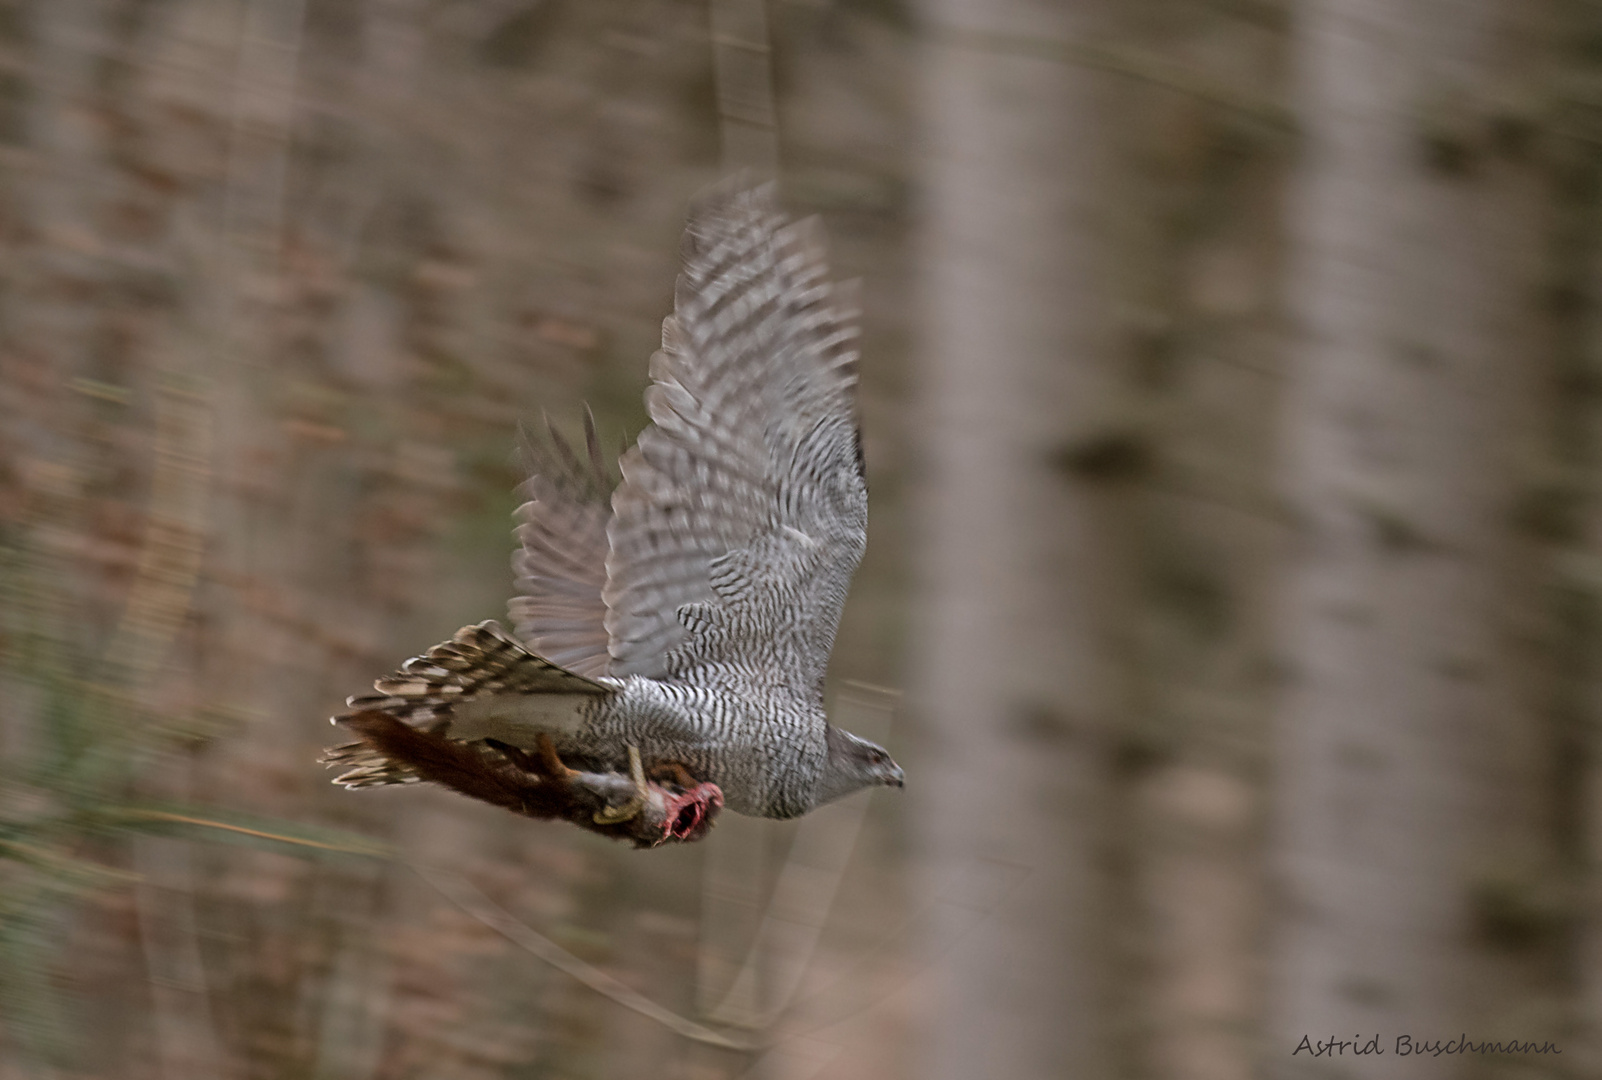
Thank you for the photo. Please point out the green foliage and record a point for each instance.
(68, 797)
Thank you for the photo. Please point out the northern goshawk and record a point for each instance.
(676, 634)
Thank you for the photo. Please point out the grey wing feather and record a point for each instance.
(743, 508)
(560, 563)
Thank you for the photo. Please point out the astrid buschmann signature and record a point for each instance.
(1406, 1045)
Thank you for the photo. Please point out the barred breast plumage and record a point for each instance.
(689, 612)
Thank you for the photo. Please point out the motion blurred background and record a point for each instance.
(1232, 396)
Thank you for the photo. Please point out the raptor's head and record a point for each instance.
(853, 764)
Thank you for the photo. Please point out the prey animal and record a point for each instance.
(676, 628)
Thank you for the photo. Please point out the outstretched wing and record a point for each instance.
(743, 508)
(560, 563)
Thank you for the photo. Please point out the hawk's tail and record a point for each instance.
(430, 691)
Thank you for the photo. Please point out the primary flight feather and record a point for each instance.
(684, 623)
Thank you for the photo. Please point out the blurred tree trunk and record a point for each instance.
(1407, 764)
(1202, 158)
(1012, 672)
(1572, 518)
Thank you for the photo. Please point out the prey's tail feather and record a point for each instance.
(448, 684)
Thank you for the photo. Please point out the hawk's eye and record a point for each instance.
(877, 757)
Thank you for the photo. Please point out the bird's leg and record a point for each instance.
(550, 763)
(613, 815)
(518, 756)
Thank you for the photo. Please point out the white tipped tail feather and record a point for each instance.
(479, 685)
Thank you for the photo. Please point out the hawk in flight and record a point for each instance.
(670, 636)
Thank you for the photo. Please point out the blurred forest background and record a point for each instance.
(1232, 395)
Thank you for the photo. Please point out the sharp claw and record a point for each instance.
(616, 815)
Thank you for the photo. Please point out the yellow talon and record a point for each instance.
(616, 815)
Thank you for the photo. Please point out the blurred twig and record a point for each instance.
(1143, 67)
(977, 894)
(743, 71)
(795, 915)
(470, 899)
(174, 543)
(467, 896)
(350, 846)
(158, 607)
(983, 888)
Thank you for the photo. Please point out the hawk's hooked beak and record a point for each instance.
(895, 777)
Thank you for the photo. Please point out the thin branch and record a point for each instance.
(461, 892)
(743, 74)
(1124, 62)
(796, 914)
(377, 850)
